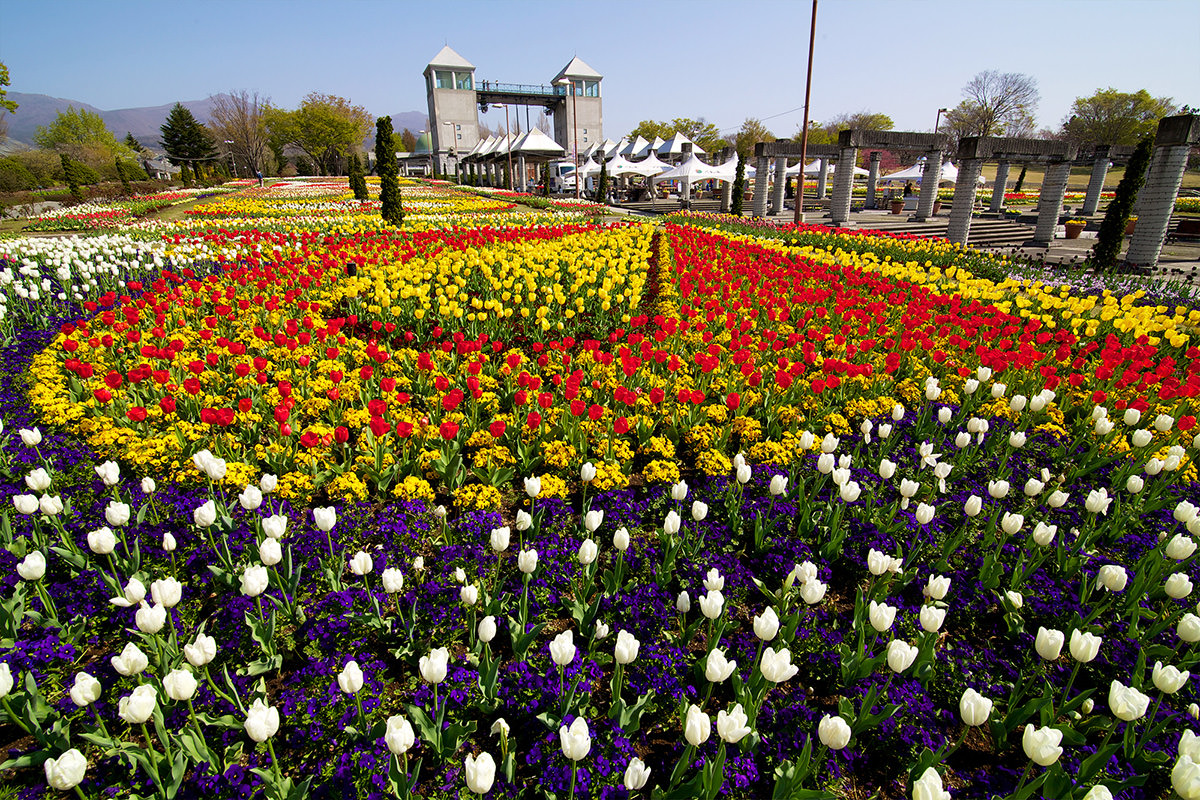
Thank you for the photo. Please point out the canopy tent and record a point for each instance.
(815, 169)
(479, 147)
(914, 173)
(650, 148)
(674, 146)
(694, 170)
(731, 165)
(589, 168)
(623, 166)
(632, 149)
(535, 144)
(609, 148)
(653, 162)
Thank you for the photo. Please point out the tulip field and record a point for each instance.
(526, 502)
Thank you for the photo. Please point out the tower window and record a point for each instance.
(462, 80)
(591, 89)
(443, 79)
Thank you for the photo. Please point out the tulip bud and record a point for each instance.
(1049, 643)
(834, 732)
(973, 506)
(486, 629)
(527, 561)
(974, 708)
(620, 539)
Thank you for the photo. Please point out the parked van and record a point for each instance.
(562, 178)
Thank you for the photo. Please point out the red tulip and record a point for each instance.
(448, 430)
(137, 413)
(496, 429)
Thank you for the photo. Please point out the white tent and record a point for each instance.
(731, 167)
(694, 170)
(480, 147)
(814, 169)
(631, 149)
(537, 143)
(608, 148)
(914, 173)
(674, 146)
(651, 147)
(652, 162)
(623, 166)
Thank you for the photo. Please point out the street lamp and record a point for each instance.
(566, 83)
(431, 164)
(450, 149)
(232, 162)
(507, 143)
(938, 122)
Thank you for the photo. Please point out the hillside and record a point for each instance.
(36, 110)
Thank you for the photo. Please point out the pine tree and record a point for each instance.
(1116, 217)
(72, 176)
(125, 188)
(1020, 179)
(132, 143)
(185, 175)
(186, 141)
(385, 166)
(602, 183)
(546, 180)
(739, 188)
(358, 183)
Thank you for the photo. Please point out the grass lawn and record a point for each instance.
(1079, 177)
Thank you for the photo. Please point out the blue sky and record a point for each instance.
(723, 61)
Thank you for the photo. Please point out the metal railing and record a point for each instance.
(520, 88)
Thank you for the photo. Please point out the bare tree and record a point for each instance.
(237, 120)
(996, 103)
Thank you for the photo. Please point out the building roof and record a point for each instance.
(446, 57)
(577, 69)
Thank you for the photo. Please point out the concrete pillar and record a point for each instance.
(964, 200)
(726, 196)
(780, 184)
(1054, 185)
(843, 186)
(929, 185)
(523, 183)
(999, 187)
(822, 177)
(872, 179)
(759, 209)
(1091, 201)
(1157, 202)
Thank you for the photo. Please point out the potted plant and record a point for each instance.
(897, 204)
(1075, 227)
(937, 205)
(1131, 226)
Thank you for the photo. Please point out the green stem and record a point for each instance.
(574, 769)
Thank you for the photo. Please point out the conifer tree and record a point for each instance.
(358, 182)
(186, 141)
(1116, 216)
(739, 188)
(124, 178)
(389, 185)
(72, 176)
(602, 183)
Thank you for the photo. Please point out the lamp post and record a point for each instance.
(432, 166)
(937, 124)
(507, 143)
(566, 82)
(450, 149)
(232, 162)
(798, 216)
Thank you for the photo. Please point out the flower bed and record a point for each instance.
(592, 511)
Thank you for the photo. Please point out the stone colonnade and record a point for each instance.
(1175, 138)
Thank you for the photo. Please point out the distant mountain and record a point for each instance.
(36, 110)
